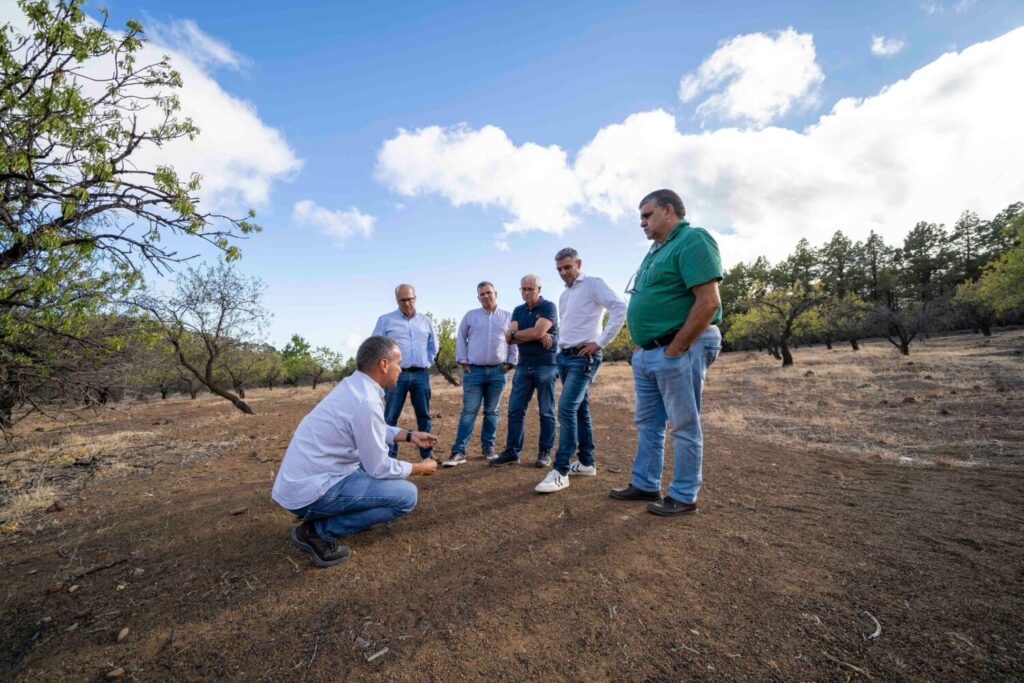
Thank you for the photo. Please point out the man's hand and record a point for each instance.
(589, 349)
(671, 352)
(505, 367)
(547, 341)
(465, 367)
(424, 439)
(425, 467)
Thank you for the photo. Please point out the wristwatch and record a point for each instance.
(513, 335)
(408, 436)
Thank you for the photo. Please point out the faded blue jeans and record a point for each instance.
(669, 389)
(542, 378)
(359, 502)
(481, 384)
(417, 385)
(574, 428)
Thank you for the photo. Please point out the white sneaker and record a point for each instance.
(554, 481)
(586, 470)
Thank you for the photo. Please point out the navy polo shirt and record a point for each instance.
(532, 354)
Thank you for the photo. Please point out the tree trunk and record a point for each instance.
(192, 393)
(854, 344)
(828, 343)
(787, 357)
(164, 390)
(235, 401)
(905, 347)
(450, 376)
(986, 329)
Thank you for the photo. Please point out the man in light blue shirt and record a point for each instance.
(485, 357)
(414, 333)
(336, 474)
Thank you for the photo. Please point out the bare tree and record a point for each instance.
(220, 311)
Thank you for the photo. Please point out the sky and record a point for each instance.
(442, 144)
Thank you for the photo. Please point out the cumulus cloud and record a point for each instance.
(961, 7)
(886, 47)
(755, 78)
(946, 138)
(337, 224)
(531, 182)
(238, 155)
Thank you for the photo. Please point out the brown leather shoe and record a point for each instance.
(633, 493)
(669, 506)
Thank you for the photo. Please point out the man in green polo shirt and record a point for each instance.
(673, 311)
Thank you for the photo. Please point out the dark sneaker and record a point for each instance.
(323, 553)
(543, 459)
(670, 506)
(507, 457)
(454, 459)
(633, 493)
(489, 453)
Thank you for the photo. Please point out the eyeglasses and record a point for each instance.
(633, 286)
(527, 289)
(407, 300)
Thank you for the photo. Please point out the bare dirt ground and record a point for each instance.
(862, 518)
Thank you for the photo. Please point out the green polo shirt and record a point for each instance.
(663, 285)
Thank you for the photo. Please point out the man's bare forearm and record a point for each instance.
(700, 316)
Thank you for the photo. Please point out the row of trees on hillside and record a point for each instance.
(967, 277)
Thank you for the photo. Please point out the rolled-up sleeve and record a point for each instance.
(616, 312)
(371, 435)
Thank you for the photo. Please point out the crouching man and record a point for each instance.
(336, 474)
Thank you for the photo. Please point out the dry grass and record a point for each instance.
(23, 503)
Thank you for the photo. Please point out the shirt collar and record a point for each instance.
(578, 278)
(369, 381)
(675, 232)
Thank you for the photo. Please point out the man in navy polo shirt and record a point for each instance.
(534, 327)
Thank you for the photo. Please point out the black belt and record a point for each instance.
(474, 365)
(663, 340)
(414, 369)
(571, 351)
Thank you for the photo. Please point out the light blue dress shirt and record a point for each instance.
(481, 339)
(415, 337)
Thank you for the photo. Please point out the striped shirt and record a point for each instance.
(481, 338)
(343, 433)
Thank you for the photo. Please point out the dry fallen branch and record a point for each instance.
(878, 625)
(859, 670)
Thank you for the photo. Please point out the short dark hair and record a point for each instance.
(666, 198)
(567, 252)
(485, 283)
(372, 351)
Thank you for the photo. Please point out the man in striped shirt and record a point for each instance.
(336, 474)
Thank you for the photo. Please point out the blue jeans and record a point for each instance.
(542, 378)
(359, 502)
(577, 372)
(417, 385)
(480, 384)
(669, 389)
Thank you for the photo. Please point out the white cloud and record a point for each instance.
(946, 138)
(763, 77)
(185, 37)
(237, 154)
(483, 167)
(337, 224)
(886, 47)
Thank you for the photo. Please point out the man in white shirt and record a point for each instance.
(485, 357)
(336, 474)
(581, 307)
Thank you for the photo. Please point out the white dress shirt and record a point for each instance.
(344, 432)
(582, 306)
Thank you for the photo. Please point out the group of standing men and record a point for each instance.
(674, 305)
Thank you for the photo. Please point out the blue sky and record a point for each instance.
(446, 143)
